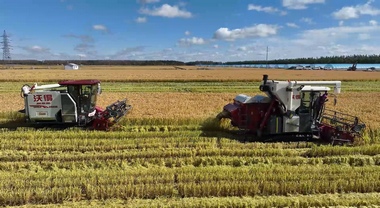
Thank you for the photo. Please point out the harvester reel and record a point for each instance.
(111, 115)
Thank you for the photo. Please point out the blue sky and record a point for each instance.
(190, 30)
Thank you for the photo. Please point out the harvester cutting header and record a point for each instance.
(292, 110)
(70, 103)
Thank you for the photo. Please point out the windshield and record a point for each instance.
(85, 96)
(308, 100)
(94, 95)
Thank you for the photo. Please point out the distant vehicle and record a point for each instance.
(299, 67)
(308, 67)
(370, 69)
(317, 68)
(353, 67)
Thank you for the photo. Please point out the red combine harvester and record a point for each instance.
(70, 103)
(292, 110)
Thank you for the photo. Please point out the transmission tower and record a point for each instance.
(6, 48)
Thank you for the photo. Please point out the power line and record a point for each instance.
(266, 58)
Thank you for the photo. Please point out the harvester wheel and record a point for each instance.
(259, 133)
(332, 140)
(100, 124)
(335, 140)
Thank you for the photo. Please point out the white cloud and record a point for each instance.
(82, 38)
(339, 49)
(36, 49)
(187, 32)
(326, 36)
(242, 48)
(83, 47)
(270, 10)
(216, 46)
(191, 41)
(291, 24)
(307, 20)
(373, 22)
(166, 11)
(147, 1)
(260, 30)
(341, 23)
(364, 36)
(352, 12)
(346, 13)
(99, 27)
(141, 20)
(300, 4)
(128, 52)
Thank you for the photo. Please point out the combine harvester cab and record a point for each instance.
(292, 111)
(70, 103)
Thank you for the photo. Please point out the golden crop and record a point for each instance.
(206, 105)
(167, 73)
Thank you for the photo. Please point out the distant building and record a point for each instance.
(71, 66)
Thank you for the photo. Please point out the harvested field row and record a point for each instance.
(38, 186)
(313, 200)
(106, 141)
(19, 143)
(107, 164)
(53, 166)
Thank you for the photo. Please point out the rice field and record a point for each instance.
(169, 73)
(169, 152)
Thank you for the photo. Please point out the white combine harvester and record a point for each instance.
(70, 103)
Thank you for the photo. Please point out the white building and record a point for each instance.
(71, 66)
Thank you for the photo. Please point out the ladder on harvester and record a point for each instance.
(244, 120)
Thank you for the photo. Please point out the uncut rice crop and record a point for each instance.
(205, 105)
(107, 74)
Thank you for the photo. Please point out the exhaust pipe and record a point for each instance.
(265, 79)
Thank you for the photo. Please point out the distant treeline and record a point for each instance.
(364, 59)
(367, 59)
(97, 62)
